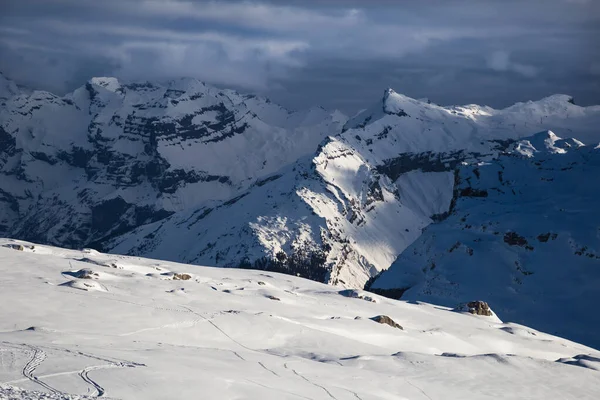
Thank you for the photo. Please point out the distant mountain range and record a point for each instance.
(187, 172)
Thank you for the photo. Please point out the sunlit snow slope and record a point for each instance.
(75, 323)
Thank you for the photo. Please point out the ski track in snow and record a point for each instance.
(270, 370)
(84, 374)
(418, 388)
(314, 384)
(37, 356)
(279, 390)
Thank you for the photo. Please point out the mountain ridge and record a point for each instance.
(352, 197)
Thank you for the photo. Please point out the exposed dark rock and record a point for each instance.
(374, 193)
(544, 237)
(7, 144)
(170, 181)
(454, 247)
(384, 134)
(15, 246)
(426, 162)
(264, 181)
(514, 239)
(182, 277)
(470, 192)
(384, 319)
(476, 307)
(235, 199)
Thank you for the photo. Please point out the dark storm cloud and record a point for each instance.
(339, 53)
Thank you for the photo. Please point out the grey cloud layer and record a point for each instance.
(337, 53)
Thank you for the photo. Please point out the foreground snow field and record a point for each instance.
(82, 323)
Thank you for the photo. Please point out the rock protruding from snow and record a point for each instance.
(384, 319)
(476, 307)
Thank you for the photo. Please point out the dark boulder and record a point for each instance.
(384, 319)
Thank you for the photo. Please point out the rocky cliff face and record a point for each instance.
(109, 157)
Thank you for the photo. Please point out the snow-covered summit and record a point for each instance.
(108, 83)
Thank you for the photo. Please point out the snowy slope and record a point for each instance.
(361, 199)
(111, 156)
(132, 331)
(524, 235)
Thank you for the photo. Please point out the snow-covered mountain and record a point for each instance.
(190, 173)
(524, 234)
(361, 199)
(89, 324)
(111, 156)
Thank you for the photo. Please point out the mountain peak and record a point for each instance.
(109, 83)
(188, 84)
(387, 93)
(394, 103)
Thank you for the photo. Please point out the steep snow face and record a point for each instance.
(112, 156)
(524, 236)
(91, 324)
(363, 197)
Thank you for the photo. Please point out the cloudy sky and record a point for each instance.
(336, 53)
